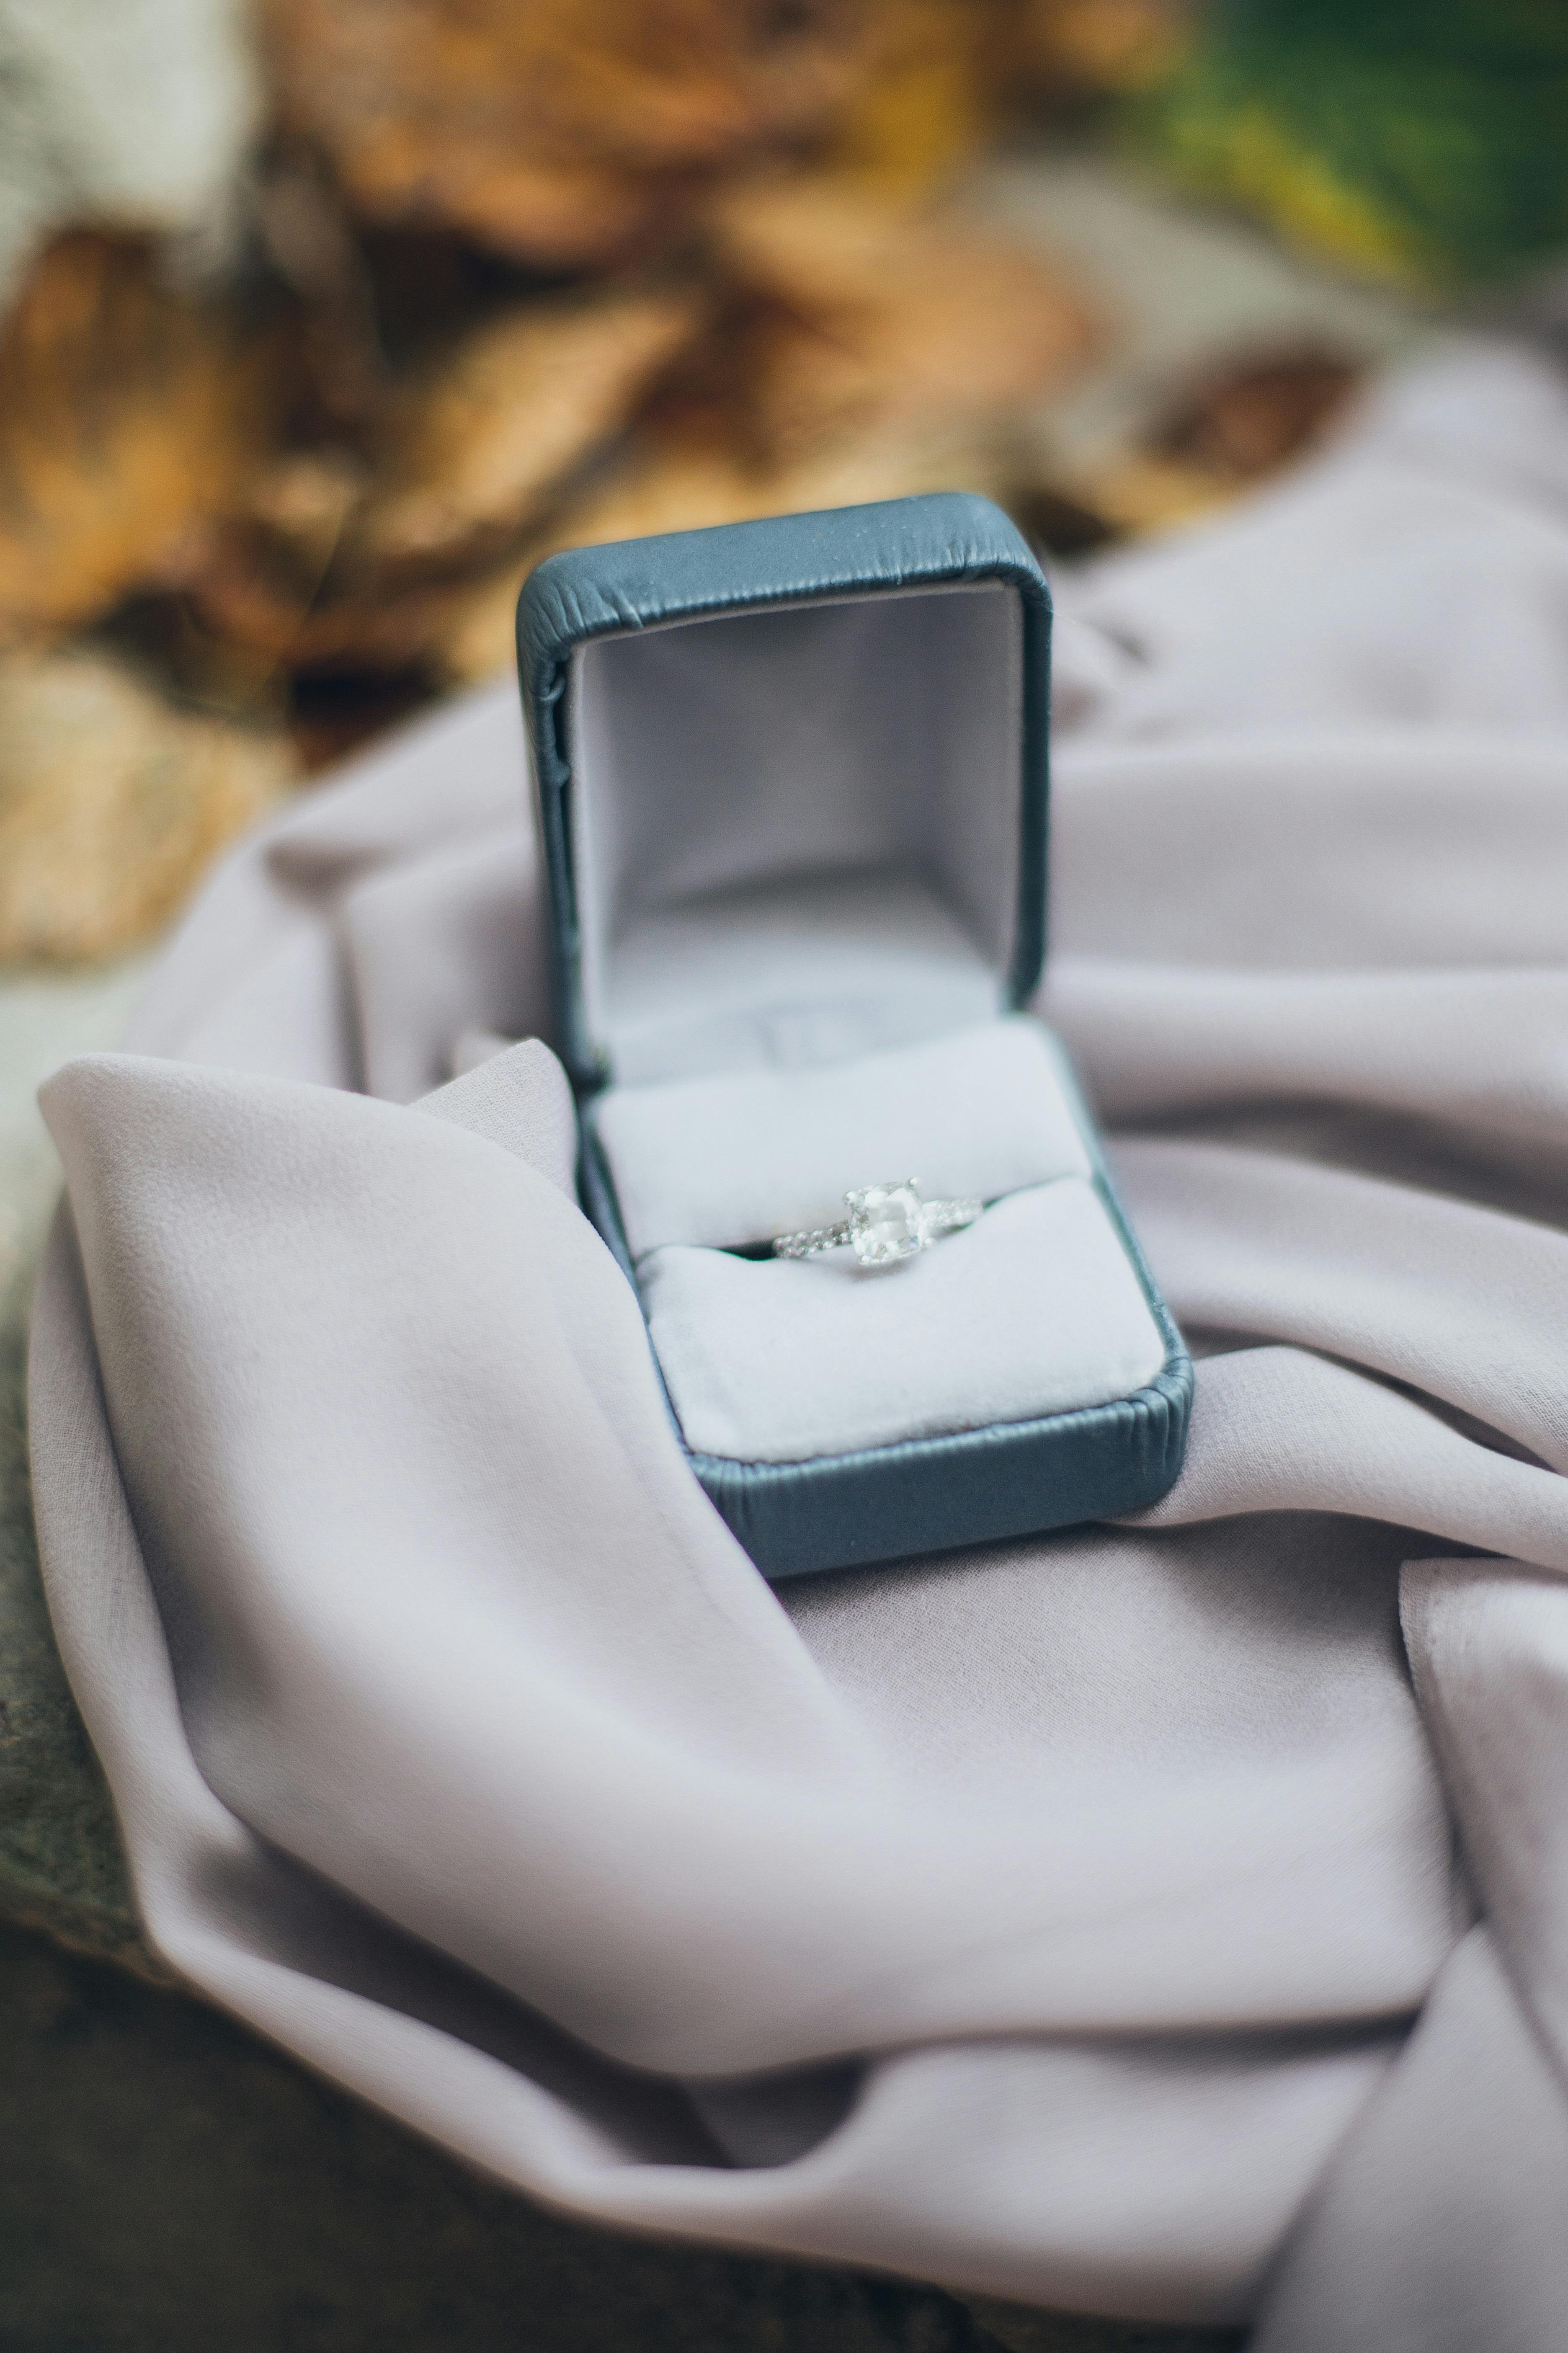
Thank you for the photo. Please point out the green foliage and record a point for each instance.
(1421, 139)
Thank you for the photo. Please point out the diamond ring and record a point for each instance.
(887, 1223)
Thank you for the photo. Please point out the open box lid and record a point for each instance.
(792, 783)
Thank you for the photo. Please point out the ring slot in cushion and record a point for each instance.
(726, 1161)
(1034, 1311)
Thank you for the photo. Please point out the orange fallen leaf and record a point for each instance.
(561, 132)
(1134, 491)
(473, 446)
(339, 562)
(111, 803)
(1257, 411)
(871, 318)
(937, 91)
(1073, 47)
(128, 419)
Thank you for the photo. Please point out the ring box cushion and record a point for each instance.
(791, 779)
(722, 1162)
(789, 1360)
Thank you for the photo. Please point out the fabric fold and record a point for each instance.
(1136, 1920)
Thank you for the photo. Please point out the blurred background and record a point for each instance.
(322, 321)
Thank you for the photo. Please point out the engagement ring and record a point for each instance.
(885, 1223)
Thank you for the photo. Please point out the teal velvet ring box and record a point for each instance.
(791, 779)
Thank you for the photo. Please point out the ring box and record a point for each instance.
(791, 779)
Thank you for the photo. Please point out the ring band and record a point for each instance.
(887, 1224)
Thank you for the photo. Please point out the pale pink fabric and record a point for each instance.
(1051, 1921)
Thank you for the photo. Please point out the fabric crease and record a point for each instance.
(1167, 1920)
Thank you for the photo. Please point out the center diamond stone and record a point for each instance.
(887, 1223)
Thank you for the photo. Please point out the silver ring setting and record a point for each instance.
(885, 1225)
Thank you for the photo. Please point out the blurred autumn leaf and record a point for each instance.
(830, 346)
(933, 84)
(130, 419)
(333, 558)
(1242, 421)
(870, 317)
(517, 277)
(111, 803)
(858, 348)
(564, 134)
(1086, 46)
(468, 450)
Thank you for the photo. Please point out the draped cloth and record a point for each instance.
(1167, 1919)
